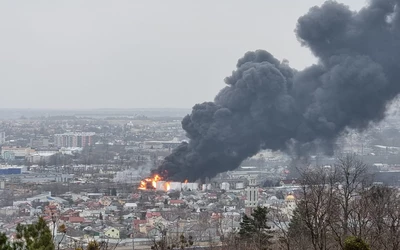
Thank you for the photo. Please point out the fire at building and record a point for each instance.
(156, 183)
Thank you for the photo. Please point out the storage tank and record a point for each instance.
(204, 187)
(239, 185)
(224, 186)
(160, 185)
(194, 185)
(190, 185)
(175, 186)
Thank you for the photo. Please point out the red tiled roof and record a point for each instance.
(136, 223)
(69, 211)
(176, 202)
(47, 218)
(153, 214)
(19, 221)
(76, 219)
(216, 216)
(8, 226)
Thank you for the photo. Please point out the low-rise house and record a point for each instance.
(92, 213)
(76, 220)
(176, 202)
(129, 216)
(111, 232)
(46, 197)
(153, 218)
(138, 223)
(288, 182)
(9, 211)
(130, 206)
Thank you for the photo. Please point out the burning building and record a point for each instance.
(150, 182)
(156, 182)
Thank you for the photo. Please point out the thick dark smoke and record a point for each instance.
(268, 105)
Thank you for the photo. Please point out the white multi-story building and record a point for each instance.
(251, 195)
(2, 137)
(73, 140)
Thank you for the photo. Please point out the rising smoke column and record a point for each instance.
(268, 105)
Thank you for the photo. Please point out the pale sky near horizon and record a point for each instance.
(137, 54)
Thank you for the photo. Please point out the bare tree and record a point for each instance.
(162, 243)
(384, 213)
(281, 221)
(337, 202)
(318, 207)
(298, 235)
(350, 179)
(359, 216)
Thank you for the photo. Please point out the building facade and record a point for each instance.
(39, 143)
(73, 140)
(2, 137)
(15, 153)
(251, 196)
(111, 232)
(5, 170)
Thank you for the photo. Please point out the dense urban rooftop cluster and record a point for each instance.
(84, 173)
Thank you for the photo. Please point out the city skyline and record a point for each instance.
(200, 124)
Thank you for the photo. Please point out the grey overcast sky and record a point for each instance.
(137, 54)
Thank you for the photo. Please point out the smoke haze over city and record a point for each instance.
(207, 124)
(269, 105)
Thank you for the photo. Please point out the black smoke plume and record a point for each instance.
(268, 105)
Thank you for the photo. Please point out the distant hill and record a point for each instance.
(100, 113)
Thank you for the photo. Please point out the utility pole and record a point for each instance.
(133, 236)
(177, 228)
(54, 220)
(133, 231)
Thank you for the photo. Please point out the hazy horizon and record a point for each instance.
(128, 54)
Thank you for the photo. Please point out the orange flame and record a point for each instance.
(186, 181)
(144, 184)
(155, 179)
(150, 183)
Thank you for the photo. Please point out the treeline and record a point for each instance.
(38, 236)
(336, 206)
(35, 236)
